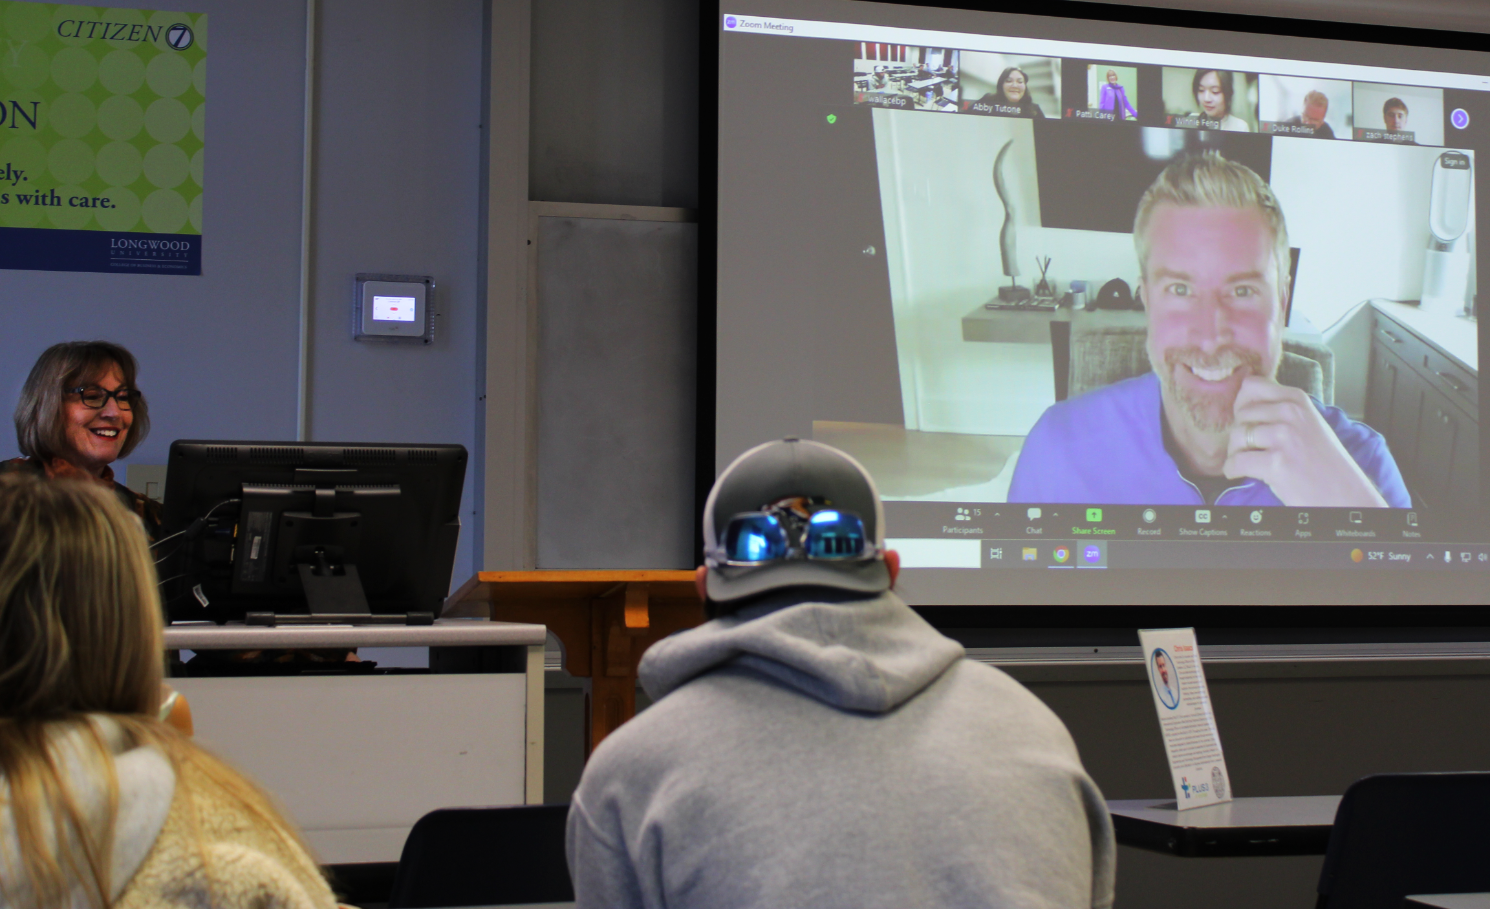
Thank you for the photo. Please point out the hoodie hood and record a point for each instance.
(868, 655)
(146, 786)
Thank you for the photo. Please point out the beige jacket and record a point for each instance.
(181, 842)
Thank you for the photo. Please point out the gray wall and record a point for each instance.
(396, 191)
(615, 102)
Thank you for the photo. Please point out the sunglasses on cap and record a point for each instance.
(796, 528)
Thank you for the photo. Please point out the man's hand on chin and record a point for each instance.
(1279, 437)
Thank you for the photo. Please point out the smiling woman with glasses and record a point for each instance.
(80, 410)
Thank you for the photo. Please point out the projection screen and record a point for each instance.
(1114, 313)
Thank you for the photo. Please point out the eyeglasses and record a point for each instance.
(95, 397)
(780, 534)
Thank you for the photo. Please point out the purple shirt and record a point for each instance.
(1106, 447)
(1115, 99)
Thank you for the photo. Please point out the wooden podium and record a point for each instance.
(606, 620)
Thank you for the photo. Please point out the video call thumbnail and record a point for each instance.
(1210, 99)
(1305, 107)
(1010, 85)
(1399, 114)
(903, 77)
(1111, 94)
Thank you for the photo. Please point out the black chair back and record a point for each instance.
(1402, 833)
(484, 857)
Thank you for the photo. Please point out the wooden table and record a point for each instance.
(606, 620)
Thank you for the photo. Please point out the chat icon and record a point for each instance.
(1033, 514)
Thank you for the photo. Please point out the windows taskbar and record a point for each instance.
(1078, 555)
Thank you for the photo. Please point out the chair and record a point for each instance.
(1404, 833)
(484, 857)
(1106, 354)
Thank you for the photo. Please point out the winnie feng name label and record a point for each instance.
(1186, 720)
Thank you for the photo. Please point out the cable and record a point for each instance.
(195, 526)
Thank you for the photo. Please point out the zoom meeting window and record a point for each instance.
(1087, 306)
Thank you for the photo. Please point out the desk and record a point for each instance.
(1450, 900)
(1243, 827)
(356, 759)
(606, 620)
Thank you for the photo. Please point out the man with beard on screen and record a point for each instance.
(1210, 425)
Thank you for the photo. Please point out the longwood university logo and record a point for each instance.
(179, 36)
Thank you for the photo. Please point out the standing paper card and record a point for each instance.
(1185, 717)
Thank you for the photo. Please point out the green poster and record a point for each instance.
(102, 126)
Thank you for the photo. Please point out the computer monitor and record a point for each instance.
(355, 531)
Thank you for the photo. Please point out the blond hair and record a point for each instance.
(1208, 180)
(80, 634)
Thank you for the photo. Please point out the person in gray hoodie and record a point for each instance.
(817, 743)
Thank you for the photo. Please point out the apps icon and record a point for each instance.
(1256, 516)
(996, 552)
(1031, 553)
(1355, 517)
(1150, 516)
(1062, 553)
(1092, 553)
(1094, 515)
(1202, 516)
(1032, 513)
(1303, 517)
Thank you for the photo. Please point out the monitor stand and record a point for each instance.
(334, 596)
(332, 589)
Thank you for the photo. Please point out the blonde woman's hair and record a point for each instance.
(1210, 181)
(80, 634)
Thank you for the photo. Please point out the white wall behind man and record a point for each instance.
(1358, 212)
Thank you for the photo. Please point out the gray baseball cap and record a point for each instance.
(777, 470)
